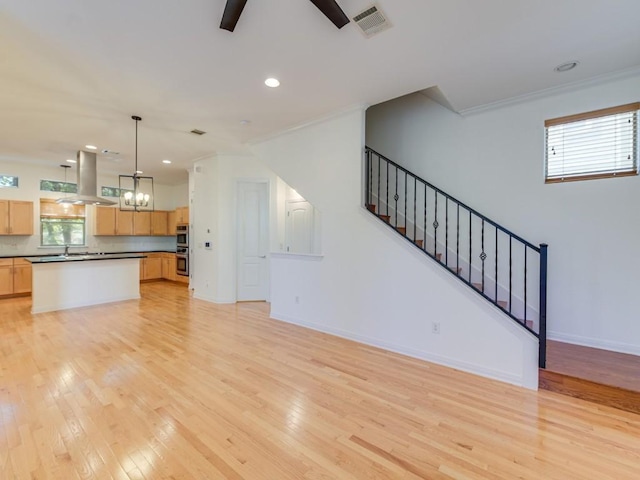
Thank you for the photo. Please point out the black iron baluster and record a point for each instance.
(496, 272)
(378, 200)
(469, 246)
(405, 204)
(424, 234)
(457, 236)
(395, 198)
(510, 270)
(386, 205)
(446, 232)
(542, 328)
(367, 160)
(435, 226)
(415, 192)
(525, 285)
(483, 256)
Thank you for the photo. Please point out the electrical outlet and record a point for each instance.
(435, 328)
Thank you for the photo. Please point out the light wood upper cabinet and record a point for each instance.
(182, 215)
(16, 217)
(124, 222)
(112, 221)
(142, 223)
(172, 222)
(159, 223)
(105, 221)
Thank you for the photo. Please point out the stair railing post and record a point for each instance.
(542, 334)
(368, 179)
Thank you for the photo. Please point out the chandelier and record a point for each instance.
(136, 191)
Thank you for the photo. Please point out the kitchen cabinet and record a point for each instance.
(112, 221)
(169, 266)
(6, 276)
(15, 276)
(105, 223)
(16, 217)
(124, 222)
(22, 275)
(151, 267)
(159, 223)
(182, 215)
(142, 223)
(171, 222)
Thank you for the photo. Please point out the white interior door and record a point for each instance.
(253, 241)
(299, 227)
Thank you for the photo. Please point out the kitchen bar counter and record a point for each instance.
(38, 255)
(73, 281)
(83, 257)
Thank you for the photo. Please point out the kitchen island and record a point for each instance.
(70, 281)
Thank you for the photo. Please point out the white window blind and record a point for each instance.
(596, 144)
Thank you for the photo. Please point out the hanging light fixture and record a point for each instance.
(136, 191)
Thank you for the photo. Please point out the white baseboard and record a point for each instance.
(419, 354)
(595, 343)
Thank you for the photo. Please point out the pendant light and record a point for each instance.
(136, 191)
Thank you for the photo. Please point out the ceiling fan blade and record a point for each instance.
(232, 11)
(332, 11)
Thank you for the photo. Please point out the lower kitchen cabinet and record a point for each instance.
(21, 276)
(151, 267)
(15, 276)
(169, 266)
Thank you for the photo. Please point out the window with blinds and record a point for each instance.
(61, 224)
(598, 144)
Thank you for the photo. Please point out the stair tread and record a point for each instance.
(371, 207)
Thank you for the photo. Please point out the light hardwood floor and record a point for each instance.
(170, 387)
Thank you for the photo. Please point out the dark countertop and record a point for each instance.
(74, 254)
(83, 258)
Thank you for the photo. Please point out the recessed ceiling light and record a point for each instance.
(245, 122)
(272, 82)
(139, 171)
(91, 147)
(166, 161)
(565, 67)
(70, 160)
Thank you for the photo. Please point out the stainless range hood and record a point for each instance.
(87, 182)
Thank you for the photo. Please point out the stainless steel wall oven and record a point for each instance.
(182, 235)
(182, 261)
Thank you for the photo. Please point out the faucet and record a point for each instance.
(66, 250)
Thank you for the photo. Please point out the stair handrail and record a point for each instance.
(541, 250)
(462, 204)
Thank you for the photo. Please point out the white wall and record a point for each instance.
(370, 284)
(494, 161)
(215, 181)
(166, 198)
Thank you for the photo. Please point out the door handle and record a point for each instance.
(262, 256)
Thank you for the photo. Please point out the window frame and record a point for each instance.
(605, 112)
(70, 214)
(15, 179)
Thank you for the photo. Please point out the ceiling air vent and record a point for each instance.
(371, 21)
(195, 131)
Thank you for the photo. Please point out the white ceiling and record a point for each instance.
(74, 71)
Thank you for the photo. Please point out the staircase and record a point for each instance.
(497, 264)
